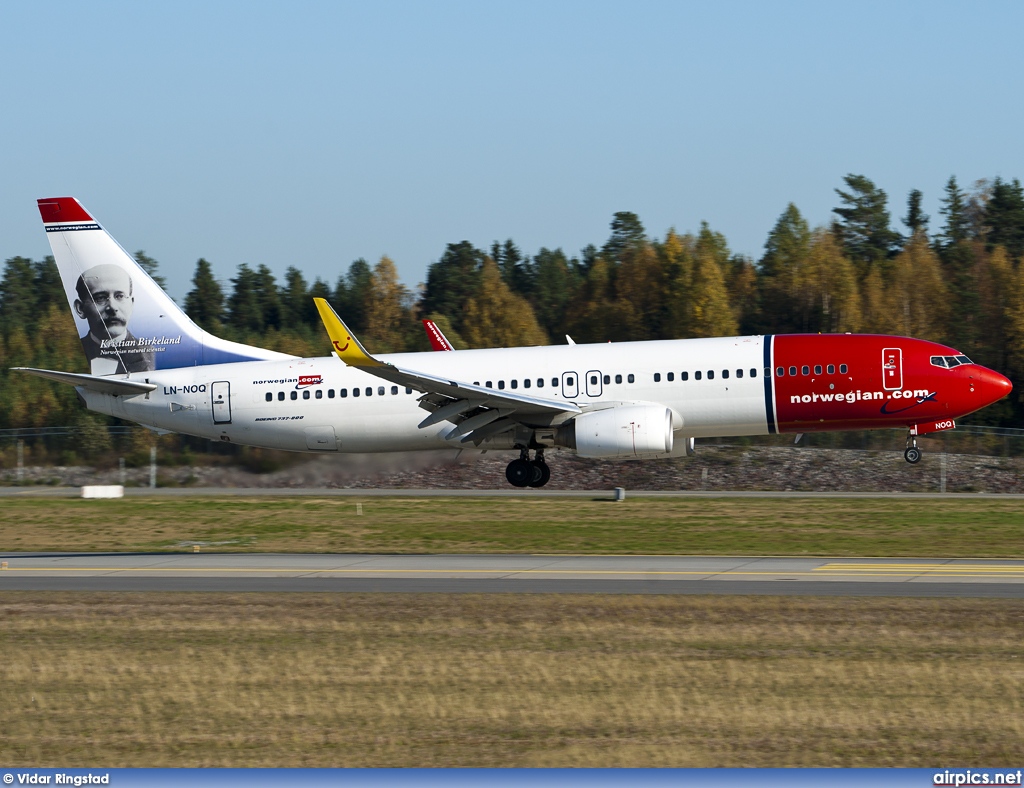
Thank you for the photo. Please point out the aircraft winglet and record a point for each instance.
(346, 346)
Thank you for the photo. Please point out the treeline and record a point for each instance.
(960, 282)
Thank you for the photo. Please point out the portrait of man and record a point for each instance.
(105, 301)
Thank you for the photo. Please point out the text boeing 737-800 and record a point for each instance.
(150, 364)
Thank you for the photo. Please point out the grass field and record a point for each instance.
(746, 526)
(463, 680)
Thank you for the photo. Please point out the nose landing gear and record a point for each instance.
(912, 453)
(525, 472)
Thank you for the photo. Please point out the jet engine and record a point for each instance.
(623, 432)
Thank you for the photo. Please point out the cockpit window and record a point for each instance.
(950, 361)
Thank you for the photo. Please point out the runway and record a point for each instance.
(249, 572)
(373, 492)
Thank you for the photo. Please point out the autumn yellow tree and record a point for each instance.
(387, 313)
(916, 299)
(711, 315)
(824, 287)
(590, 316)
(496, 317)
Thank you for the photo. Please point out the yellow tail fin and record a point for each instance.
(349, 349)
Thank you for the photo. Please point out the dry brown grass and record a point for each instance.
(390, 680)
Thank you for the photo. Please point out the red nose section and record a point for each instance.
(993, 385)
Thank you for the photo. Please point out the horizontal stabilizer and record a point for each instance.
(128, 388)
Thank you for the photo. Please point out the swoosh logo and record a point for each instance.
(885, 405)
(341, 349)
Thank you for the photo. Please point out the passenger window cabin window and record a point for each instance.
(780, 371)
(319, 394)
(618, 378)
(697, 375)
(408, 390)
(501, 385)
(570, 381)
(753, 373)
(554, 383)
(684, 376)
(343, 393)
(607, 379)
(394, 390)
(593, 380)
(657, 377)
(490, 385)
(831, 369)
(739, 373)
(330, 393)
(805, 370)
(280, 396)
(711, 374)
(355, 392)
(270, 396)
(380, 391)
(305, 394)
(540, 383)
(725, 374)
(817, 369)
(514, 384)
(670, 376)
(527, 383)
(842, 369)
(630, 378)
(295, 395)
(792, 372)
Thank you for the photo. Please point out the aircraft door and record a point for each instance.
(220, 395)
(570, 385)
(892, 368)
(593, 383)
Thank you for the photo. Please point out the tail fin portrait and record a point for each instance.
(126, 322)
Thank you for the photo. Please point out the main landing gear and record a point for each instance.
(912, 454)
(525, 472)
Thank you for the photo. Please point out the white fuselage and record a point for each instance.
(310, 404)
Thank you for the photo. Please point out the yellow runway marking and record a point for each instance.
(986, 570)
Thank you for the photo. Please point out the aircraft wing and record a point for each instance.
(477, 411)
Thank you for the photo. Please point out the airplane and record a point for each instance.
(438, 341)
(150, 364)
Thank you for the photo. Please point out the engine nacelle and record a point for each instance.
(624, 432)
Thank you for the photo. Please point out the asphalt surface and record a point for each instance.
(237, 572)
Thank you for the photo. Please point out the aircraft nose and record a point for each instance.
(994, 385)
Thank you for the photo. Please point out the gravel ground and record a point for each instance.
(713, 468)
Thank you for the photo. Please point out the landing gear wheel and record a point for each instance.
(541, 473)
(912, 455)
(519, 473)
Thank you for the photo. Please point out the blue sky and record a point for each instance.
(310, 134)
